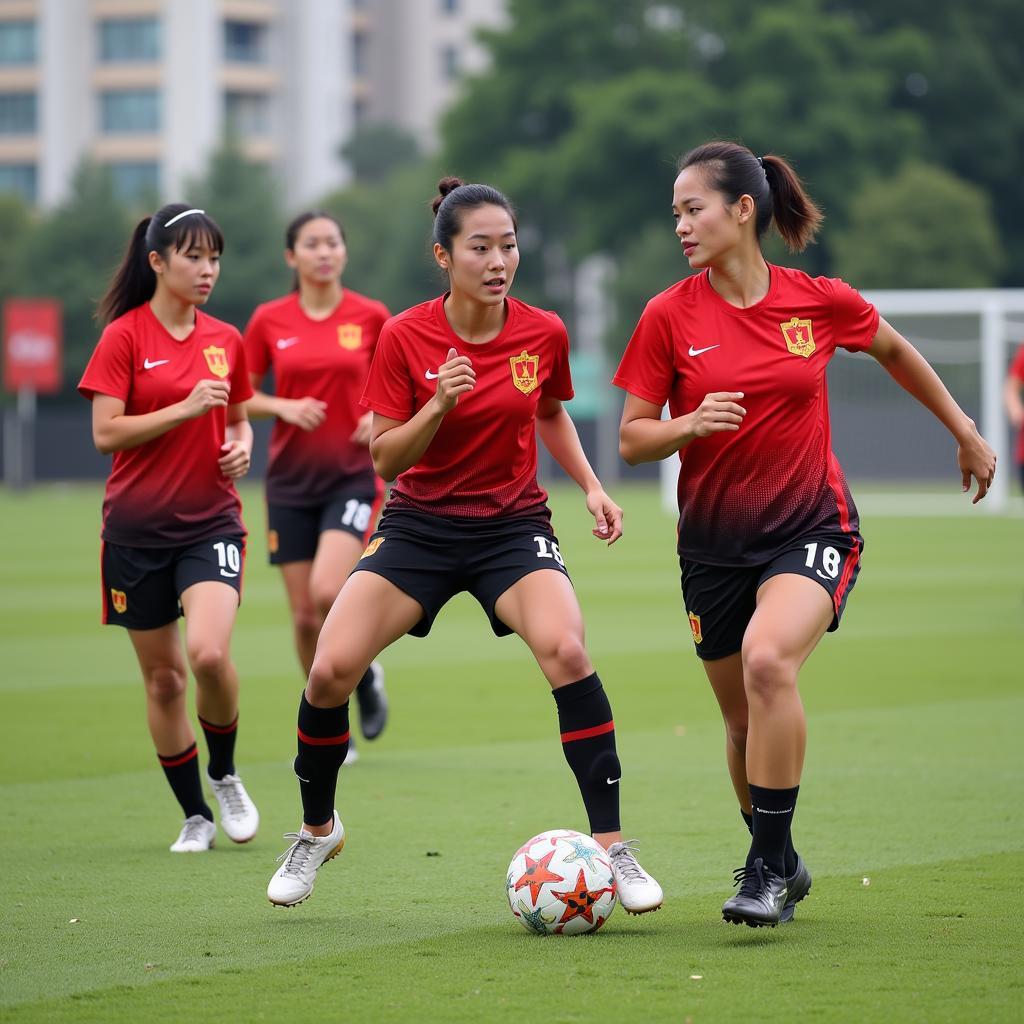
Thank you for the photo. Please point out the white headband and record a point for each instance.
(184, 213)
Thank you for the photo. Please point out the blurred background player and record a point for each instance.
(769, 541)
(168, 386)
(460, 387)
(1013, 396)
(322, 493)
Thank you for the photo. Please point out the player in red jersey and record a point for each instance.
(168, 386)
(322, 493)
(1013, 395)
(460, 386)
(769, 541)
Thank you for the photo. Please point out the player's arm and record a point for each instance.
(397, 445)
(645, 437)
(558, 434)
(912, 372)
(1012, 399)
(237, 446)
(307, 413)
(114, 431)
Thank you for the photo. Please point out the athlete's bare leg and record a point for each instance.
(726, 678)
(210, 611)
(306, 620)
(165, 680)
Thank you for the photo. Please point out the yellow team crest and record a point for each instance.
(119, 599)
(350, 336)
(217, 361)
(372, 546)
(273, 541)
(799, 336)
(524, 372)
(695, 628)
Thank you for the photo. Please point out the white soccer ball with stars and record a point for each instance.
(561, 883)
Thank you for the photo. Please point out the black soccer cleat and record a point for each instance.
(373, 703)
(798, 885)
(761, 898)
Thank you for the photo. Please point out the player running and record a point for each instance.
(168, 386)
(769, 542)
(322, 493)
(459, 387)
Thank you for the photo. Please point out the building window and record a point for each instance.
(134, 181)
(17, 42)
(360, 45)
(248, 113)
(130, 110)
(450, 62)
(20, 179)
(245, 42)
(449, 6)
(129, 39)
(17, 113)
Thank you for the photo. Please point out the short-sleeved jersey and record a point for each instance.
(1017, 373)
(482, 461)
(326, 359)
(168, 491)
(745, 495)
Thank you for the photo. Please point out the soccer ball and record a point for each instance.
(561, 883)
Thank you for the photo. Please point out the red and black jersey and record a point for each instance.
(168, 491)
(745, 495)
(1017, 373)
(483, 459)
(326, 359)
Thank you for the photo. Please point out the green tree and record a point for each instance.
(16, 225)
(376, 149)
(923, 228)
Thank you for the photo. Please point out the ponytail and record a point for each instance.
(778, 194)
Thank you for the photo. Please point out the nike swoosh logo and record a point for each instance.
(287, 342)
(147, 365)
(611, 782)
(431, 376)
(701, 351)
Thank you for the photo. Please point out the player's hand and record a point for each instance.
(717, 413)
(307, 413)
(361, 435)
(455, 377)
(976, 458)
(607, 516)
(206, 395)
(235, 460)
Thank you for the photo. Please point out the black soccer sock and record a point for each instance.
(323, 744)
(182, 771)
(220, 742)
(588, 742)
(790, 858)
(773, 818)
(748, 820)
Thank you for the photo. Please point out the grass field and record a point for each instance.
(909, 813)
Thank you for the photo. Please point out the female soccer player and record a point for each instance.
(768, 532)
(1013, 396)
(168, 386)
(322, 494)
(459, 387)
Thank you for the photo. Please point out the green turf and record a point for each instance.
(908, 813)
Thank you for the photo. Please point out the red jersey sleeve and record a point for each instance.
(559, 384)
(647, 369)
(855, 320)
(110, 369)
(388, 388)
(257, 351)
(1017, 366)
(241, 385)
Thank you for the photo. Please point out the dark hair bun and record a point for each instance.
(444, 187)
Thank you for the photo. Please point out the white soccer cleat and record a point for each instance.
(197, 835)
(238, 815)
(637, 891)
(293, 880)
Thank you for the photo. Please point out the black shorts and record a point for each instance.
(432, 559)
(142, 587)
(720, 600)
(293, 533)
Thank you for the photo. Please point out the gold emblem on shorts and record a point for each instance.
(273, 541)
(524, 372)
(799, 336)
(119, 599)
(350, 336)
(217, 361)
(695, 628)
(372, 546)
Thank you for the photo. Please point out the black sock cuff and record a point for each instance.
(577, 691)
(323, 723)
(748, 820)
(773, 799)
(221, 730)
(173, 760)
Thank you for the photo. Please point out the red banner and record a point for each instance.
(33, 345)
